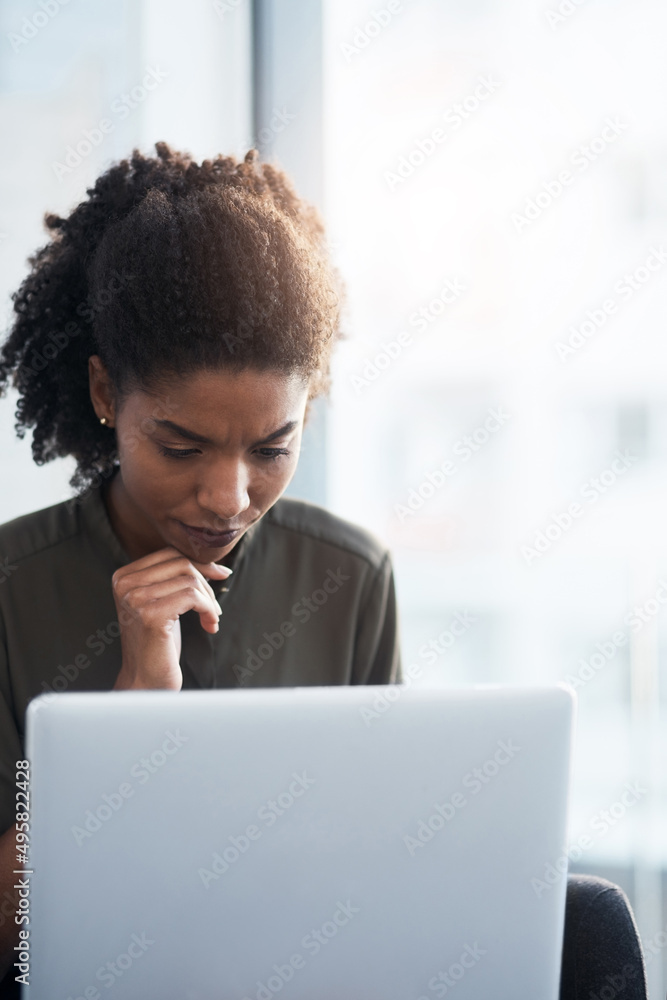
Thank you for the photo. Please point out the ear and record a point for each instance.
(102, 395)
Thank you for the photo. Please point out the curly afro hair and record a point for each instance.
(166, 268)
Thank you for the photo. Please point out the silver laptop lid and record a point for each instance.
(377, 843)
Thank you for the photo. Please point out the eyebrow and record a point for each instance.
(191, 436)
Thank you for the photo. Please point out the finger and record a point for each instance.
(152, 559)
(163, 612)
(172, 569)
(164, 570)
(175, 553)
(167, 554)
(152, 591)
(214, 569)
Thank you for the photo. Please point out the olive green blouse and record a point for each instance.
(310, 602)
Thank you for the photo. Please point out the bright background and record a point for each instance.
(360, 97)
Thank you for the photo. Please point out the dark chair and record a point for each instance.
(602, 952)
(9, 988)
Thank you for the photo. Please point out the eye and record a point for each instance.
(177, 452)
(271, 454)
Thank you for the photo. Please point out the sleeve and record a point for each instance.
(10, 742)
(377, 656)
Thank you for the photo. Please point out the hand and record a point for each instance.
(150, 595)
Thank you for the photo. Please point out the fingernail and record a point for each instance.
(218, 607)
(218, 566)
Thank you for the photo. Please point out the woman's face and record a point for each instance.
(202, 459)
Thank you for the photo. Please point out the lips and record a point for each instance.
(210, 539)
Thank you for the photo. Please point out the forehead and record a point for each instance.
(206, 399)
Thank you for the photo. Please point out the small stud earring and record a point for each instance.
(103, 420)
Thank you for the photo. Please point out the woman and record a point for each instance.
(170, 337)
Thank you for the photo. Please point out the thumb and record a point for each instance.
(214, 569)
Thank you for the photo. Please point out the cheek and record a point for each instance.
(267, 482)
(144, 474)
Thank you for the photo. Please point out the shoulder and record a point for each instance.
(308, 523)
(34, 533)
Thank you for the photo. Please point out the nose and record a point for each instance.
(223, 495)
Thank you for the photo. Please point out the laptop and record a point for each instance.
(343, 843)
